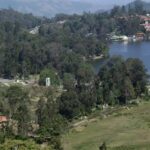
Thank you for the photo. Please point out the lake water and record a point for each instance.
(139, 50)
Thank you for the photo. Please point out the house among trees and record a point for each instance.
(140, 35)
(3, 119)
(146, 23)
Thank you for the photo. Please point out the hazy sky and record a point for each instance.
(102, 2)
(108, 2)
(51, 7)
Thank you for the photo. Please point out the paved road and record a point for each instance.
(6, 81)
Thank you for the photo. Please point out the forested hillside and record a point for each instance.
(50, 8)
(30, 54)
(139, 3)
(24, 20)
(61, 49)
(81, 36)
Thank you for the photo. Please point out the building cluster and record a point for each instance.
(146, 20)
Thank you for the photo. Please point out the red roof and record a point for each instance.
(3, 119)
(145, 18)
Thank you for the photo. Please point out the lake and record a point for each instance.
(139, 50)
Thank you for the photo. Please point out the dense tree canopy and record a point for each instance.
(120, 82)
(49, 73)
(61, 50)
(58, 39)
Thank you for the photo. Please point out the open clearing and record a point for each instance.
(124, 129)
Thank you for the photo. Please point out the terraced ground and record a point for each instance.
(122, 129)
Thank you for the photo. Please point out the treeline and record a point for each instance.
(24, 20)
(127, 18)
(119, 81)
(29, 54)
(21, 130)
(61, 51)
(83, 36)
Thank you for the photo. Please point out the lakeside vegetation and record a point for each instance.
(38, 115)
(59, 39)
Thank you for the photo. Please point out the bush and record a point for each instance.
(49, 73)
(2, 137)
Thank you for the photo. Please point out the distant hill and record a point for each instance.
(50, 8)
(146, 5)
(25, 20)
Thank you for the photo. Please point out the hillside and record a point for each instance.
(50, 8)
(139, 3)
(122, 129)
(52, 62)
(25, 20)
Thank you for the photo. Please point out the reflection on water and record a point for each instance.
(139, 50)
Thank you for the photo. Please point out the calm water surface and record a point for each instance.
(139, 50)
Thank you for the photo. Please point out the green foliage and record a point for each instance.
(103, 147)
(69, 105)
(122, 80)
(21, 145)
(70, 63)
(137, 74)
(85, 73)
(23, 118)
(52, 125)
(2, 137)
(30, 54)
(125, 26)
(18, 101)
(60, 51)
(69, 81)
(16, 95)
(88, 100)
(61, 46)
(49, 73)
(23, 20)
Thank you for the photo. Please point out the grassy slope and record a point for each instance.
(126, 129)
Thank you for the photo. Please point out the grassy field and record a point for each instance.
(124, 129)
